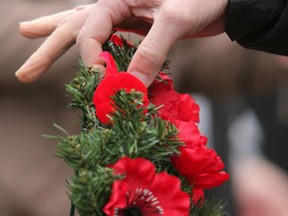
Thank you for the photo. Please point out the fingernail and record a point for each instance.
(23, 23)
(23, 74)
(31, 70)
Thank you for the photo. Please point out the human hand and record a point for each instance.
(162, 21)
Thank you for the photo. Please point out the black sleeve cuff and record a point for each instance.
(259, 24)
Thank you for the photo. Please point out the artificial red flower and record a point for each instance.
(116, 40)
(197, 195)
(188, 109)
(174, 106)
(189, 133)
(143, 192)
(111, 83)
(201, 166)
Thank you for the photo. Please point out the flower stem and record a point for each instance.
(72, 210)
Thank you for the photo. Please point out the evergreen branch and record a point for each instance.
(148, 137)
(211, 207)
(72, 210)
(89, 150)
(68, 149)
(81, 89)
(91, 189)
(124, 54)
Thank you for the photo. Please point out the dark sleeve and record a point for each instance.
(259, 24)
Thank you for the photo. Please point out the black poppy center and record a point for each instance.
(132, 211)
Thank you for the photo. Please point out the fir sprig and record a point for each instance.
(81, 89)
(90, 190)
(210, 207)
(142, 135)
(87, 150)
(123, 54)
(130, 136)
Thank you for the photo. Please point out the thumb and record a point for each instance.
(152, 52)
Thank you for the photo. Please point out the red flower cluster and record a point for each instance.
(200, 165)
(113, 82)
(143, 192)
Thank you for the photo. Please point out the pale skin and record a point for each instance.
(162, 21)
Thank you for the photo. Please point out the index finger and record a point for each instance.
(97, 29)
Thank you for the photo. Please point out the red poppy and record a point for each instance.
(188, 109)
(197, 195)
(201, 166)
(119, 41)
(113, 82)
(143, 192)
(116, 40)
(173, 105)
(190, 134)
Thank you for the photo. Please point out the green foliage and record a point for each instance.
(142, 135)
(89, 190)
(211, 207)
(85, 151)
(122, 54)
(132, 134)
(81, 89)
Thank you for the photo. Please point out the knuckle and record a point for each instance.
(64, 21)
(168, 15)
(148, 56)
(79, 38)
(80, 7)
(143, 3)
(133, 3)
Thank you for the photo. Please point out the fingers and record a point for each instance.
(91, 27)
(153, 50)
(54, 46)
(97, 29)
(45, 25)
